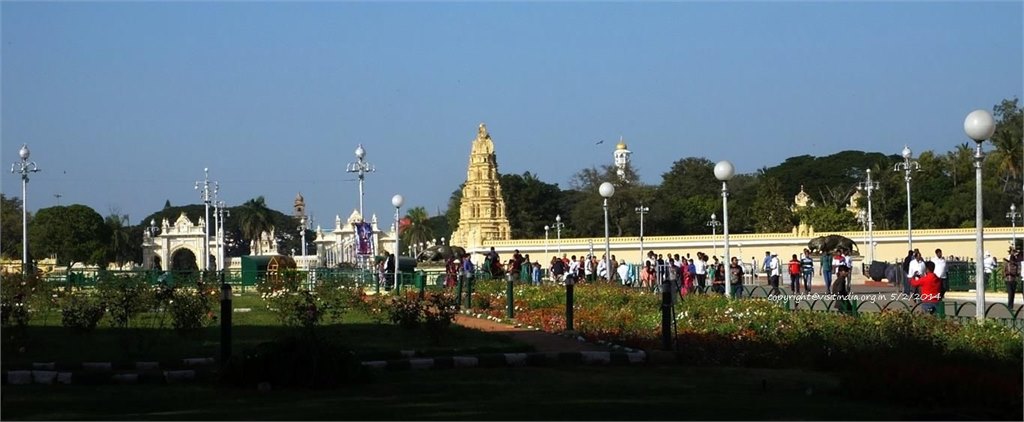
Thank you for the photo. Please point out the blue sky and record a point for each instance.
(124, 104)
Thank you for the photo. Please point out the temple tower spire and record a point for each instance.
(482, 211)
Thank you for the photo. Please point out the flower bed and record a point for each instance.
(712, 329)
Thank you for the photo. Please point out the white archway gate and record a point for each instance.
(183, 234)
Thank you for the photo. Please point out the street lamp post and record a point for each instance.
(546, 228)
(1013, 215)
(360, 167)
(607, 190)
(397, 201)
(222, 213)
(724, 172)
(870, 186)
(24, 167)
(206, 194)
(558, 231)
(908, 166)
(714, 223)
(302, 230)
(979, 126)
(642, 210)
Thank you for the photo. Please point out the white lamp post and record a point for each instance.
(360, 167)
(1013, 215)
(979, 126)
(302, 229)
(714, 223)
(908, 166)
(558, 231)
(607, 190)
(397, 201)
(205, 194)
(724, 172)
(546, 228)
(24, 167)
(642, 210)
(870, 186)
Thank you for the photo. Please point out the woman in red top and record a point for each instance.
(930, 286)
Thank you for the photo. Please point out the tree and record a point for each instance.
(10, 220)
(529, 203)
(119, 247)
(74, 233)
(454, 204)
(1007, 140)
(254, 218)
(771, 209)
(828, 218)
(419, 229)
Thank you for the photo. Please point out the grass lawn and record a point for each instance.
(566, 393)
(46, 341)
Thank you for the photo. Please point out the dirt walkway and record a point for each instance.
(540, 340)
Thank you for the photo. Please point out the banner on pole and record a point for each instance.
(364, 236)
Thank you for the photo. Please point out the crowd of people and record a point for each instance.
(925, 282)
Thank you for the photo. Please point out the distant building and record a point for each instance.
(482, 212)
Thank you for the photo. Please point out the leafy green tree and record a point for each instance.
(419, 229)
(1007, 139)
(72, 233)
(119, 248)
(254, 218)
(771, 209)
(828, 218)
(10, 220)
(454, 202)
(529, 203)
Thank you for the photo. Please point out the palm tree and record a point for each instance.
(120, 238)
(1007, 141)
(254, 218)
(418, 230)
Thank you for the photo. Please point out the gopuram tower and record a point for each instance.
(482, 212)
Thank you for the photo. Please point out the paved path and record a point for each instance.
(540, 340)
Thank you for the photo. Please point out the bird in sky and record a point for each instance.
(599, 142)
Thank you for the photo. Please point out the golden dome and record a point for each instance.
(621, 145)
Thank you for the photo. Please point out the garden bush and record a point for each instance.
(125, 297)
(81, 311)
(16, 293)
(191, 308)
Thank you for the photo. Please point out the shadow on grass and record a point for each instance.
(369, 340)
(559, 393)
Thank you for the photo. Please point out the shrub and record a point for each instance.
(125, 297)
(81, 311)
(406, 311)
(16, 291)
(438, 314)
(192, 308)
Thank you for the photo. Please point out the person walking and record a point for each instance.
(774, 272)
(826, 271)
(940, 272)
(794, 275)
(989, 267)
(839, 288)
(700, 267)
(807, 269)
(736, 274)
(930, 286)
(1011, 274)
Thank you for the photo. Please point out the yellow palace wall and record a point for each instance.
(890, 244)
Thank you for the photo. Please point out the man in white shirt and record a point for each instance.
(940, 272)
(990, 266)
(700, 268)
(775, 270)
(602, 268)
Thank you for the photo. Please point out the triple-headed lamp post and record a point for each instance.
(24, 167)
